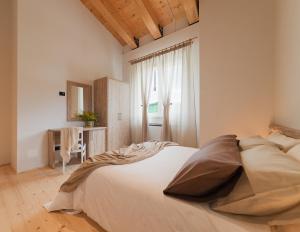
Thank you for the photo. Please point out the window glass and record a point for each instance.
(154, 107)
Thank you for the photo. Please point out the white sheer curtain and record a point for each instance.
(167, 83)
(140, 86)
(178, 83)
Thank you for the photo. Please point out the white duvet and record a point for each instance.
(129, 198)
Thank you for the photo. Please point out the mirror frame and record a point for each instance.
(87, 93)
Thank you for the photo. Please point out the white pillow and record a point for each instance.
(254, 141)
(283, 140)
(271, 184)
(294, 152)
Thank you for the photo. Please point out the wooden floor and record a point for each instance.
(21, 203)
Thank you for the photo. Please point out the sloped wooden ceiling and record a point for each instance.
(129, 20)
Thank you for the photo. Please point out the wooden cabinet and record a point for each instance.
(111, 104)
(95, 140)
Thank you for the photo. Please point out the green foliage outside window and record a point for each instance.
(153, 107)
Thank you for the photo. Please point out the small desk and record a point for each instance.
(93, 137)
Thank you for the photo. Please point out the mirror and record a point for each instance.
(79, 99)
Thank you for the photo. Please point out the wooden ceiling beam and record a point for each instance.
(149, 18)
(191, 10)
(100, 18)
(117, 26)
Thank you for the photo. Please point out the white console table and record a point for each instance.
(94, 138)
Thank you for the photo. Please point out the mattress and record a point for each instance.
(129, 198)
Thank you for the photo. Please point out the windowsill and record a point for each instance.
(155, 124)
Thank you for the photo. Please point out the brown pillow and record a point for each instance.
(211, 172)
(224, 138)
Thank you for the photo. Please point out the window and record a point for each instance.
(170, 81)
(154, 107)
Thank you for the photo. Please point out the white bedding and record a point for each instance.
(129, 198)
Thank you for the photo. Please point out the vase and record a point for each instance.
(89, 124)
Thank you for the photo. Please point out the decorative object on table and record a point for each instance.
(89, 118)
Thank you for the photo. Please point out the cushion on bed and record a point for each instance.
(254, 141)
(223, 138)
(271, 184)
(284, 141)
(211, 172)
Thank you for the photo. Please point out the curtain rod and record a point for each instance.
(163, 51)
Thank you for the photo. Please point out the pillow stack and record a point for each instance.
(255, 141)
(271, 181)
(275, 139)
(211, 172)
(283, 141)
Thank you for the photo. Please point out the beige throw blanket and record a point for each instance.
(69, 138)
(134, 153)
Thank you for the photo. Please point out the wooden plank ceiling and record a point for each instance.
(128, 20)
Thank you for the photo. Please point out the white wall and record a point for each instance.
(5, 79)
(287, 66)
(58, 40)
(236, 67)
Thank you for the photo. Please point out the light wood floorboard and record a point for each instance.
(22, 198)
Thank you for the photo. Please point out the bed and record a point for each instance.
(130, 198)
